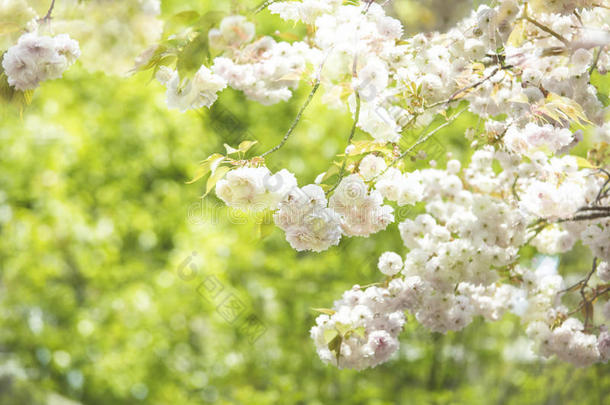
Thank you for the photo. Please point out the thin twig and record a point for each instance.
(422, 139)
(601, 190)
(48, 15)
(263, 6)
(547, 30)
(354, 125)
(455, 95)
(296, 120)
(595, 60)
(349, 142)
(536, 232)
(584, 296)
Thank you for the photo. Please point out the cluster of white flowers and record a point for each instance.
(568, 342)
(233, 32)
(362, 329)
(523, 67)
(308, 223)
(362, 211)
(264, 69)
(535, 139)
(306, 11)
(557, 188)
(466, 243)
(255, 188)
(200, 91)
(597, 236)
(403, 188)
(525, 70)
(455, 244)
(35, 59)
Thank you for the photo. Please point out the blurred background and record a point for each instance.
(120, 285)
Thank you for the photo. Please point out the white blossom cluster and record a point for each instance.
(365, 324)
(265, 70)
(526, 72)
(255, 188)
(460, 250)
(200, 91)
(568, 341)
(524, 68)
(310, 221)
(362, 211)
(38, 58)
(307, 221)
(427, 69)
(535, 139)
(558, 189)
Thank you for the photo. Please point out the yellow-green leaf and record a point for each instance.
(335, 346)
(360, 332)
(326, 311)
(216, 176)
(518, 35)
(230, 149)
(245, 146)
(584, 163)
(329, 335)
(207, 166)
(342, 328)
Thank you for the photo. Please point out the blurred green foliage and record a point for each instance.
(102, 300)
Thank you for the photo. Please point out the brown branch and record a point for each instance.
(547, 30)
(47, 17)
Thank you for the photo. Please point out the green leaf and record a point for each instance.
(333, 170)
(360, 332)
(193, 55)
(560, 108)
(7, 27)
(230, 149)
(584, 163)
(179, 22)
(246, 145)
(335, 346)
(518, 35)
(8, 94)
(326, 311)
(343, 328)
(217, 161)
(206, 166)
(216, 176)
(330, 335)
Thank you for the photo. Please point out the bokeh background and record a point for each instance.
(120, 285)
